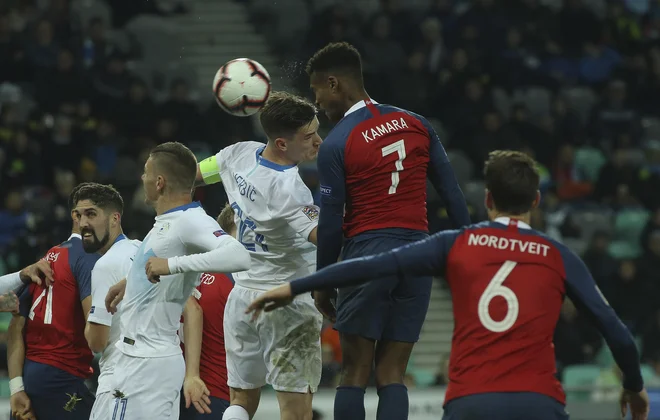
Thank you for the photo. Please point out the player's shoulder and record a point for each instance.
(388, 109)
(241, 149)
(118, 254)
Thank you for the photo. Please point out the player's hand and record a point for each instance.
(9, 302)
(270, 300)
(638, 402)
(157, 267)
(196, 392)
(323, 300)
(36, 272)
(21, 406)
(114, 296)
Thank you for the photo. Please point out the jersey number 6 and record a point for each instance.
(398, 147)
(496, 288)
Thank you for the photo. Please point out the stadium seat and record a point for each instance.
(501, 101)
(591, 221)
(4, 388)
(463, 167)
(578, 379)
(580, 100)
(628, 227)
(87, 10)
(589, 161)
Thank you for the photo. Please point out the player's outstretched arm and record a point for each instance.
(36, 273)
(19, 401)
(422, 258)
(583, 291)
(442, 176)
(194, 389)
(224, 254)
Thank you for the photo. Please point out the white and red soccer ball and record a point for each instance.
(241, 87)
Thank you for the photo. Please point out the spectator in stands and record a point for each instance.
(576, 340)
(600, 262)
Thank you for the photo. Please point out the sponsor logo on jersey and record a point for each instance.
(219, 232)
(52, 256)
(326, 190)
(207, 279)
(311, 212)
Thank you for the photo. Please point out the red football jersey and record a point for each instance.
(507, 311)
(55, 322)
(386, 159)
(212, 294)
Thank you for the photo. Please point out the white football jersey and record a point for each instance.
(109, 270)
(274, 214)
(150, 313)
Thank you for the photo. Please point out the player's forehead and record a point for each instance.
(310, 129)
(86, 205)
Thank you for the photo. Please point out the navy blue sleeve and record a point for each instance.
(422, 258)
(81, 264)
(24, 301)
(442, 176)
(333, 196)
(582, 290)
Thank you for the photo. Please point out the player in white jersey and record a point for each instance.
(277, 220)
(99, 210)
(183, 242)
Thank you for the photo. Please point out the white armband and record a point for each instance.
(16, 385)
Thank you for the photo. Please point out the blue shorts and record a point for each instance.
(391, 308)
(218, 407)
(51, 390)
(505, 406)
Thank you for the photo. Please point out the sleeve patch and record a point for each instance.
(219, 232)
(311, 212)
(326, 190)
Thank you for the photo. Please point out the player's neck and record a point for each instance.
(272, 154)
(111, 241)
(354, 97)
(525, 217)
(168, 202)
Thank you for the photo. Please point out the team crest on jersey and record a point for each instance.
(163, 229)
(311, 212)
(325, 190)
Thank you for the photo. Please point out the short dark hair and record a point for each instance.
(72, 196)
(226, 218)
(513, 180)
(104, 196)
(284, 114)
(337, 56)
(177, 161)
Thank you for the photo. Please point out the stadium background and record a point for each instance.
(87, 87)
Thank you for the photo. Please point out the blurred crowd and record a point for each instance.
(574, 83)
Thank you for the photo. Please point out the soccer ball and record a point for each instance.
(241, 87)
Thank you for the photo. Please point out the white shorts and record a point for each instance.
(147, 388)
(282, 348)
(103, 405)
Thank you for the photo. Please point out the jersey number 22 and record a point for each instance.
(496, 288)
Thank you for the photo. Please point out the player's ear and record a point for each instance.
(488, 200)
(160, 183)
(333, 83)
(280, 143)
(537, 200)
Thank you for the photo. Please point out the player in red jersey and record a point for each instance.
(48, 356)
(508, 283)
(211, 297)
(373, 168)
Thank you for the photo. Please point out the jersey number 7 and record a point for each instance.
(48, 313)
(398, 147)
(497, 288)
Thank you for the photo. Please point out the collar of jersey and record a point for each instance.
(268, 164)
(119, 238)
(183, 207)
(505, 221)
(75, 235)
(357, 106)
